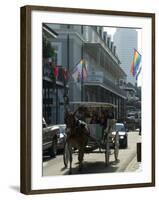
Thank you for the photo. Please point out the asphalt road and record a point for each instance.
(94, 162)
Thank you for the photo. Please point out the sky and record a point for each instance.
(111, 32)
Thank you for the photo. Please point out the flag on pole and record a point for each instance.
(136, 64)
(80, 71)
(77, 72)
(138, 73)
(65, 74)
(85, 70)
(55, 71)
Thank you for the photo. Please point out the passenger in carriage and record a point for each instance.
(103, 121)
(94, 119)
(111, 113)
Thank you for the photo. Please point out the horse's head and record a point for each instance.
(70, 119)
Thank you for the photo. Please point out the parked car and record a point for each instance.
(61, 137)
(50, 138)
(123, 136)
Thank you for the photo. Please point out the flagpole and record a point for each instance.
(68, 51)
(137, 51)
(82, 73)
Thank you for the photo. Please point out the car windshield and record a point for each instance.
(120, 127)
(131, 115)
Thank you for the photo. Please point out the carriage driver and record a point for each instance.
(110, 121)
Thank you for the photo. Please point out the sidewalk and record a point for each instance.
(134, 166)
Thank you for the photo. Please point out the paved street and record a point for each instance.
(95, 162)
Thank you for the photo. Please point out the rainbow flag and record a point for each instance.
(135, 63)
(138, 73)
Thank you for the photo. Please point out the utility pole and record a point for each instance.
(68, 51)
(56, 90)
(65, 95)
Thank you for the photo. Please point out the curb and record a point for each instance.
(127, 162)
(131, 164)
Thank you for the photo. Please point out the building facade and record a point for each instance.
(126, 41)
(54, 85)
(92, 45)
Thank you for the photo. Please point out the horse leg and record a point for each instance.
(70, 158)
(80, 158)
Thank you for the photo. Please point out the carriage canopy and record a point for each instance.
(89, 104)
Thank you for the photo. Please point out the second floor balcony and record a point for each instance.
(97, 78)
(48, 74)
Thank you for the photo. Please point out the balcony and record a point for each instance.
(105, 59)
(49, 76)
(98, 79)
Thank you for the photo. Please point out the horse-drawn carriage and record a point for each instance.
(87, 134)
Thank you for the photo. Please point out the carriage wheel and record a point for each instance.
(66, 155)
(107, 150)
(116, 146)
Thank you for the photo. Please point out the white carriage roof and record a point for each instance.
(93, 104)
